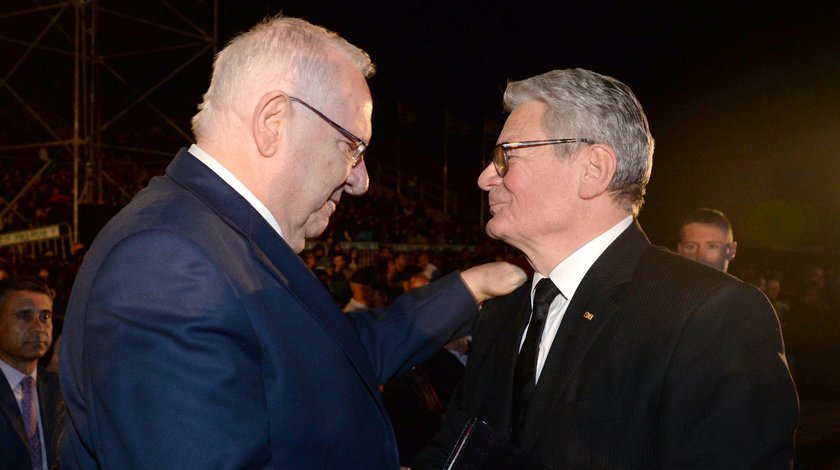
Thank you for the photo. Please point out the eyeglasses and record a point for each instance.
(500, 156)
(361, 145)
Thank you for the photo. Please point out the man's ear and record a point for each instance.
(731, 249)
(269, 113)
(598, 167)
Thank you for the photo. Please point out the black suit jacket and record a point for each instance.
(676, 365)
(14, 446)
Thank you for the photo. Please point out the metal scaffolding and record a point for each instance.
(99, 87)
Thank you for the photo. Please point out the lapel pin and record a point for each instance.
(588, 316)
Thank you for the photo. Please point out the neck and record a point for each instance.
(545, 254)
(24, 367)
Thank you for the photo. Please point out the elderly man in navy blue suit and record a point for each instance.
(196, 338)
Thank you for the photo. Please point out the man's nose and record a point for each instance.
(39, 324)
(489, 177)
(357, 182)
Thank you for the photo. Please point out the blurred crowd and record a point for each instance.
(380, 245)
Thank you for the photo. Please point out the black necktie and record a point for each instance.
(524, 376)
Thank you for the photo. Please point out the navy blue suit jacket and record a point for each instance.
(659, 362)
(14, 446)
(195, 338)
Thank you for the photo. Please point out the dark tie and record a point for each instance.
(30, 420)
(524, 375)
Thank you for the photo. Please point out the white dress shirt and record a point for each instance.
(567, 277)
(237, 185)
(353, 305)
(14, 376)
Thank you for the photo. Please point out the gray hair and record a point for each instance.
(276, 48)
(584, 104)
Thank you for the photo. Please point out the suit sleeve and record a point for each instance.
(172, 370)
(416, 325)
(729, 400)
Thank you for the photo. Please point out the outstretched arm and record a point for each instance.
(421, 322)
(492, 280)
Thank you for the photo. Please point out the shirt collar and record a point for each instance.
(14, 376)
(568, 275)
(237, 185)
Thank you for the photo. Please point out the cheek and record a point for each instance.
(536, 198)
(524, 209)
(713, 254)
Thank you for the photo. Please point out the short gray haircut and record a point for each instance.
(278, 47)
(585, 104)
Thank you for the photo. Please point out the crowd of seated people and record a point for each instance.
(380, 216)
(49, 198)
(807, 300)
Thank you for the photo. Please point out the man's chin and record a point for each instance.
(316, 226)
(492, 230)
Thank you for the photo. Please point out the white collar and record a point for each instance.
(14, 376)
(568, 275)
(237, 185)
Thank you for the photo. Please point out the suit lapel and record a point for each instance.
(48, 400)
(273, 252)
(11, 409)
(507, 341)
(595, 302)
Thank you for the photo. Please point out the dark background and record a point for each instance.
(742, 98)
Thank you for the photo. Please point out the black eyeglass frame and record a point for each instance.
(500, 156)
(361, 145)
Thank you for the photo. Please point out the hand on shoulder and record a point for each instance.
(489, 280)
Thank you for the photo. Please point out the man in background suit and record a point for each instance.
(634, 357)
(29, 395)
(195, 337)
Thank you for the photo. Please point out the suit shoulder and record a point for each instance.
(47, 377)
(162, 204)
(499, 310)
(663, 277)
(671, 268)
(169, 210)
(698, 287)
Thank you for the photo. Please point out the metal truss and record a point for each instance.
(99, 88)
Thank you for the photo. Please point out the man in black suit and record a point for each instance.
(634, 357)
(29, 395)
